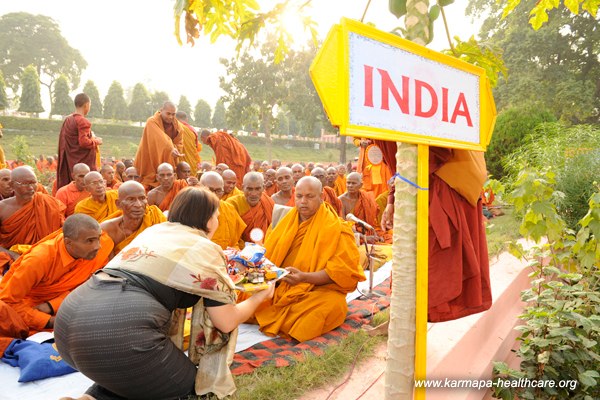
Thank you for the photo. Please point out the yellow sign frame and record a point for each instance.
(330, 74)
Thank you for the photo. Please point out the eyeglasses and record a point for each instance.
(21, 184)
(97, 183)
(217, 191)
(133, 177)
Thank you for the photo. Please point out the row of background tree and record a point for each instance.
(268, 97)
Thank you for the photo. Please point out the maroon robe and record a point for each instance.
(75, 145)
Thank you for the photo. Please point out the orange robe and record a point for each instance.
(366, 209)
(191, 147)
(114, 185)
(374, 177)
(339, 185)
(259, 216)
(46, 273)
(35, 220)
(233, 193)
(231, 227)
(330, 197)
(153, 216)
(230, 151)
(99, 211)
(292, 201)
(69, 195)
(41, 189)
(381, 201)
(156, 148)
(178, 184)
(324, 242)
(271, 190)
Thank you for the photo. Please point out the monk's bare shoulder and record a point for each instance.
(111, 226)
(153, 196)
(7, 208)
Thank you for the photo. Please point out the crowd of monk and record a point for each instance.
(301, 207)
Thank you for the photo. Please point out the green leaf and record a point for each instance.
(434, 12)
(397, 7)
(445, 3)
(587, 378)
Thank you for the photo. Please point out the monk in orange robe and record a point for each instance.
(134, 215)
(297, 172)
(164, 194)
(362, 204)
(191, 145)
(328, 193)
(229, 184)
(340, 181)
(28, 216)
(231, 225)
(120, 171)
(319, 251)
(254, 206)
(33, 289)
(101, 202)
(285, 183)
(309, 168)
(228, 150)
(108, 173)
(162, 141)
(374, 175)
(75, 191)
(270, 184)
(6, 189)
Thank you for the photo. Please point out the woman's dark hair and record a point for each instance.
(193, 207)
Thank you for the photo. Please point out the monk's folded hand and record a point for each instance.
(45, 308)
(294, 277)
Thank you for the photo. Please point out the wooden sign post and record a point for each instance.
(377, 85)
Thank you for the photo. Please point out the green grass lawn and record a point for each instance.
(501, 231)
(125, 146)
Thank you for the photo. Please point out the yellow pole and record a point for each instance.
(422, 268)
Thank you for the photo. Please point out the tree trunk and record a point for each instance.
(400, 371)
(342, 149)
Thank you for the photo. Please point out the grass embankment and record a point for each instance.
(118, 146)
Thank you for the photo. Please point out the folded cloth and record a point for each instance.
(36, 360)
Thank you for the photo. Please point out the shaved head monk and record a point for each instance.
(231, 225)
(120, 171)
(134, 215)
(331, 176)
(76, 142)
(254, 206)
(108, 173)
(191, 145)
(28, 216)
(33, 289)
(229, 184)
(131, 174)
(163, 195)
(340, 181)
(270, 185)
(228, 149)
(75, 191)
(362, 204)
(206, 166)
(101, 202)
(328, 193)
(6, 189)
(285, 183)
(319, 251)
(297, 172)
(183, 170)
(162, 142)
(219, 168)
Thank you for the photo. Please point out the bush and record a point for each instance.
(512, 127)
(574, 157)
(560, 338)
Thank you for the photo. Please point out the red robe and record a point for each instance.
(75, 145)
(230, 151)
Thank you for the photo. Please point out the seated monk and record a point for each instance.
(229, 184)
(270, 185)
(6, 189)
(120, 171)
(220, 167)
(131, 174)
(75, 191)
(285, 183)
(101, 202)
(297, 173)
(340, 181)
(231, 225)
(184, 171)
(134, 215)
(108, 173)
(168, 187)
(328, 192)
(319, 251)
(33, 289)
(28, 216)
(362, 204)
(254, 206)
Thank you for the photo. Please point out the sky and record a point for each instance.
(132, 41)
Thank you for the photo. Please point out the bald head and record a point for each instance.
(221, 167)
(106, 167)
(297, 172)
(253, 187)
(320, 174)
(5, 187)
(355, 176)
(284, 179)
(206, 166)
(5, 172)
(132, 201)
(309, 197)
(213, 182)
(82, 236)
(131, 174)
(229, 180)
(164, 167)
(80, 170)
(183, 170)
(129, 187)
(353, 183)
(24, 172)
(252, 177)
(165, 176)
(310, 182)
(77, 223)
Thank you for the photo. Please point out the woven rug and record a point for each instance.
(282, 352)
